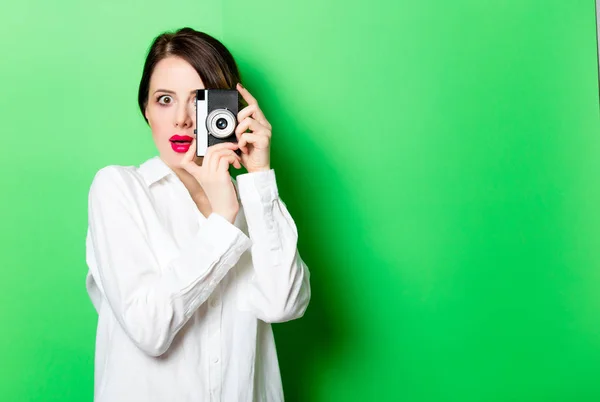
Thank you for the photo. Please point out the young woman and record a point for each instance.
(187, 267)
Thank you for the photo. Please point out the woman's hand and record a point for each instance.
(256, 144)
(214, 177)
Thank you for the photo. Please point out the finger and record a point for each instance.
(255, 112)
(243, 148)
(257, 140)
(213, 164)
(189, 155)
(226, 160)
(217, 148)
(238, 162)
(246, 95)
(222, 145)
(187, 162)
(249, 124)
(223, 154)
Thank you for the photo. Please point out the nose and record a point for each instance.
(184, 117)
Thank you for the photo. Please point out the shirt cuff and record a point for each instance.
(258, 187)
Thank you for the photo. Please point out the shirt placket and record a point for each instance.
(214, 342)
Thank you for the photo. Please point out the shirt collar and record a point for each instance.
(154, 169)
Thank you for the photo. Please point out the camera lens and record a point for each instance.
(221, 124)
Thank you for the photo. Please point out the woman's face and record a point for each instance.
(170, 110)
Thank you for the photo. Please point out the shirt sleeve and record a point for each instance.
(152, 302)
(279, 287)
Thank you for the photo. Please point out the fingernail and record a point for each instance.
(240, 84)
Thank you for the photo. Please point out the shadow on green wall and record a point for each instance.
(307, 347)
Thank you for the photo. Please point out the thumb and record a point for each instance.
(187, 162)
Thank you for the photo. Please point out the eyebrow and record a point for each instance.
(172, 92)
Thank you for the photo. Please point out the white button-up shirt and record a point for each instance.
(185, 302)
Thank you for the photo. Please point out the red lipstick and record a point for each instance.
(181, 143)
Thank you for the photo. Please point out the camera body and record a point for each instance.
(216, 118)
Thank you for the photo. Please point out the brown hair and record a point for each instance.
(210, 58)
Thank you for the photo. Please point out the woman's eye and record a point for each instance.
(165, 99)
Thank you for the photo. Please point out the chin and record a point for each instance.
(171, 158)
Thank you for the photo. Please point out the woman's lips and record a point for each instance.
(181, 143)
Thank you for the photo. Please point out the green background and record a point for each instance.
(439, 157)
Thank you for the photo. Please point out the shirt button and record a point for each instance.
(215, 359)
(214, 302)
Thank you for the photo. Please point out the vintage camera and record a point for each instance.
(216, 118)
